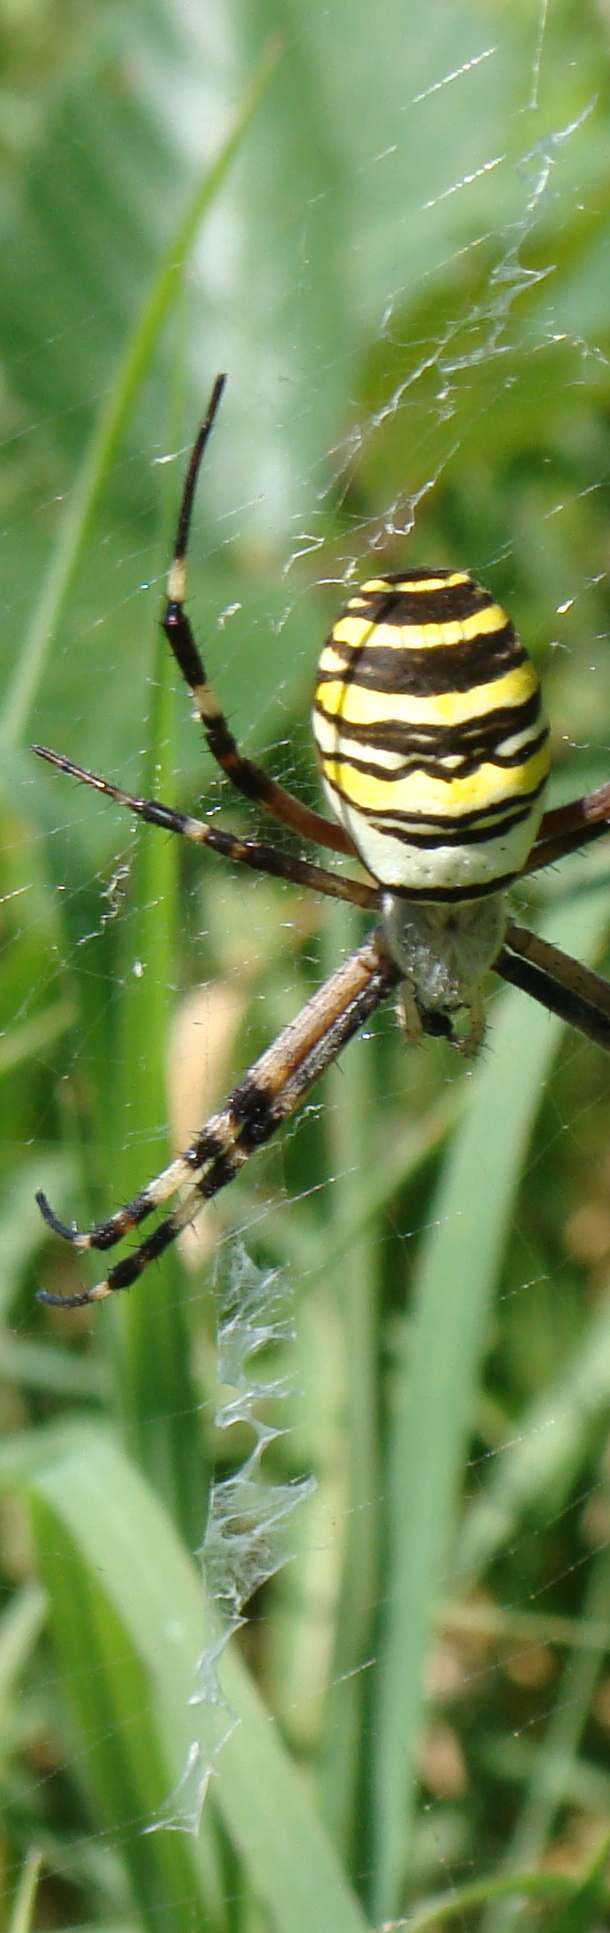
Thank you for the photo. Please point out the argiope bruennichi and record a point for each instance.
(434, 753)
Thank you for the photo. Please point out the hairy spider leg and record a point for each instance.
(277, 1084)
(255, 853)
(247, 777)
(268, 1094)
(555, 995)
(587, 1007)
(567, 828)
(573, 991)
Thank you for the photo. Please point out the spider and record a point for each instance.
(434, 755)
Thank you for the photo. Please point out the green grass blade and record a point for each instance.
(111, 420)
(127, 1613)
(451, 1909)
(156, 1394)
(22, 1916)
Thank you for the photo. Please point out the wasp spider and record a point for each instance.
(434, 755)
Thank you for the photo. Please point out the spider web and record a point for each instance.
(406, 278)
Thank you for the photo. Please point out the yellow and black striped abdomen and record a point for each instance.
(431, 735)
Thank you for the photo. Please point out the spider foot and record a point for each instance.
(67, 1230)
(80, 1300)
(106, 1234)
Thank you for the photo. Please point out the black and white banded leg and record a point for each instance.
(269, 1094)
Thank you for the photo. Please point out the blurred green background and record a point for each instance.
(393, 232)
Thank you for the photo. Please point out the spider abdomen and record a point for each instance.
(431, 735)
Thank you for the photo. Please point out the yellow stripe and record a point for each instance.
(354, 630)
(416, 584)
(358, 706)
(420, 793)
(330, 660)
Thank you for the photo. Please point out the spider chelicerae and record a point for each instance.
(433, 750)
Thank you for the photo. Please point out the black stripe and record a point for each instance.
(404, 826)
(254, 1110)
(178, 632)
(218, 1176)
(422, 672)
(432, 768)
(430, 841)
(208, 1146)
(126, 1272)
(450, 895)
(392, 606)
(473, 740)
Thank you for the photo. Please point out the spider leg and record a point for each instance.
(571, 973)
(560, 983)
(268, 1094)
(569, 827)
(255, 853)
(242, 772)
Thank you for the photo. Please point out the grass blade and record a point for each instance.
(110, 423)
(127, 1611)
